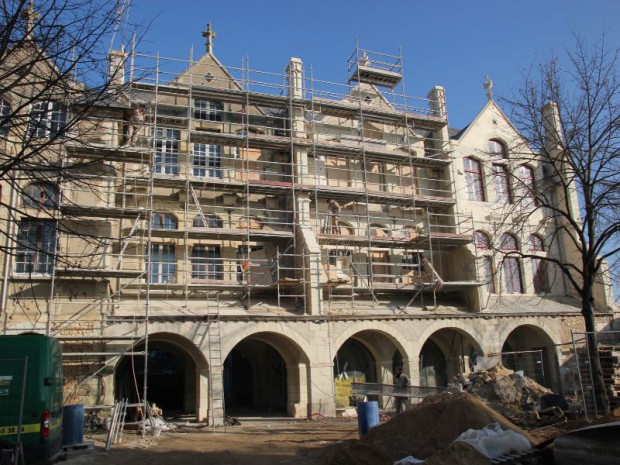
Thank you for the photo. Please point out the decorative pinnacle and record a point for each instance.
(209, 34)
(30, 16)
(488, 85)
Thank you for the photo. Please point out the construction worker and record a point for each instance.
(401, 382)
(333, 223)
(136, 121)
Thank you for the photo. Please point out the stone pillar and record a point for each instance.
(202, 395)
(321, 383)
(297, 390)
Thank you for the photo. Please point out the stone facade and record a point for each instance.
(269, 243)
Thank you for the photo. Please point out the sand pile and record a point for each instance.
(427, 429)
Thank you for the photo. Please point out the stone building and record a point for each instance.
(266, 239)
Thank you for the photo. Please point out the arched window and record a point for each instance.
(41, 194)
(213, 221)
(511, 266)
(378, 230)
(473, 179)
(208, 110)
(5, 111)
(536, 243)
(164, 221)
(501, 182)
(528, 185)
(539, 266)
(47, 119)
(497, 149)
(481, 240)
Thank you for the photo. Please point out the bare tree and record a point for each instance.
(576, 139)
(55, 83)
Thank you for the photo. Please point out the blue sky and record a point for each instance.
(453, 43)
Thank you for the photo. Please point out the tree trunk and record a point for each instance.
(598, 381)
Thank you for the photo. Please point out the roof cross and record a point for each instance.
(30, 16)
(209, 34)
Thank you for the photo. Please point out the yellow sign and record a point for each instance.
(8, 430)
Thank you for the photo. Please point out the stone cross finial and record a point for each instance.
(209, 34)
(30, 16)
(488, 85)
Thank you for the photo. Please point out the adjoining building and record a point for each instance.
(250, 242)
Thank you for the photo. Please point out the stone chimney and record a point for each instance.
(116, 69)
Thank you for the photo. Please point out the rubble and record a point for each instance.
(514, 395)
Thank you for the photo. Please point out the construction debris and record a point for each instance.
(515, 396)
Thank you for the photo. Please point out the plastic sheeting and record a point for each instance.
(492, 441)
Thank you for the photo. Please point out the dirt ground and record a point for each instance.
(253, 442)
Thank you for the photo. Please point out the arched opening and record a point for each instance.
(529, 349)
(171, 378)
(256, 381)
(445, 354)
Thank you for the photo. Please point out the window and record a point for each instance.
(212, 222)
(481, 240)
(502, 184)
(36, 246)
(528, 186)
(207, 160)
(5, 112)
(413, 261)
(167, 151)
(536, 244)
(487, 273)
(473, 179)
(208, 110)
(510, 265)
(207, 262)
(163, 263)
(497, 149)
(47, 119)
(164, 221)
(41, 194)
(539, 275)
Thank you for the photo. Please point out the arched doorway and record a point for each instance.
(262, 377)
(529, 349)
(174, 367)
(445, 354)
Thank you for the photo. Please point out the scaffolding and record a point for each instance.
(207, 193)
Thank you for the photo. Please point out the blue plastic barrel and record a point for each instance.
(367, 416)
(72, 424)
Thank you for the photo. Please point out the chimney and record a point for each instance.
(116, 70)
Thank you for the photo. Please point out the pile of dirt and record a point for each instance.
(510, 393)
(423, 431)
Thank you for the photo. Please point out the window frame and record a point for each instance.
(488, 273)
(49, 195)
(207, 160)
(36, 245)
(208, 110)
(501, 154)
(474, 179)
(485, 243)
(5, 113)
(167, 141)
(206, 263)
(164, 220)
(163, 264)
(47, 120)
(501, 182)
(528, 185)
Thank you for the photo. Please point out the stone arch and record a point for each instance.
(266, 372)
(176, 375)
(446, 352)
